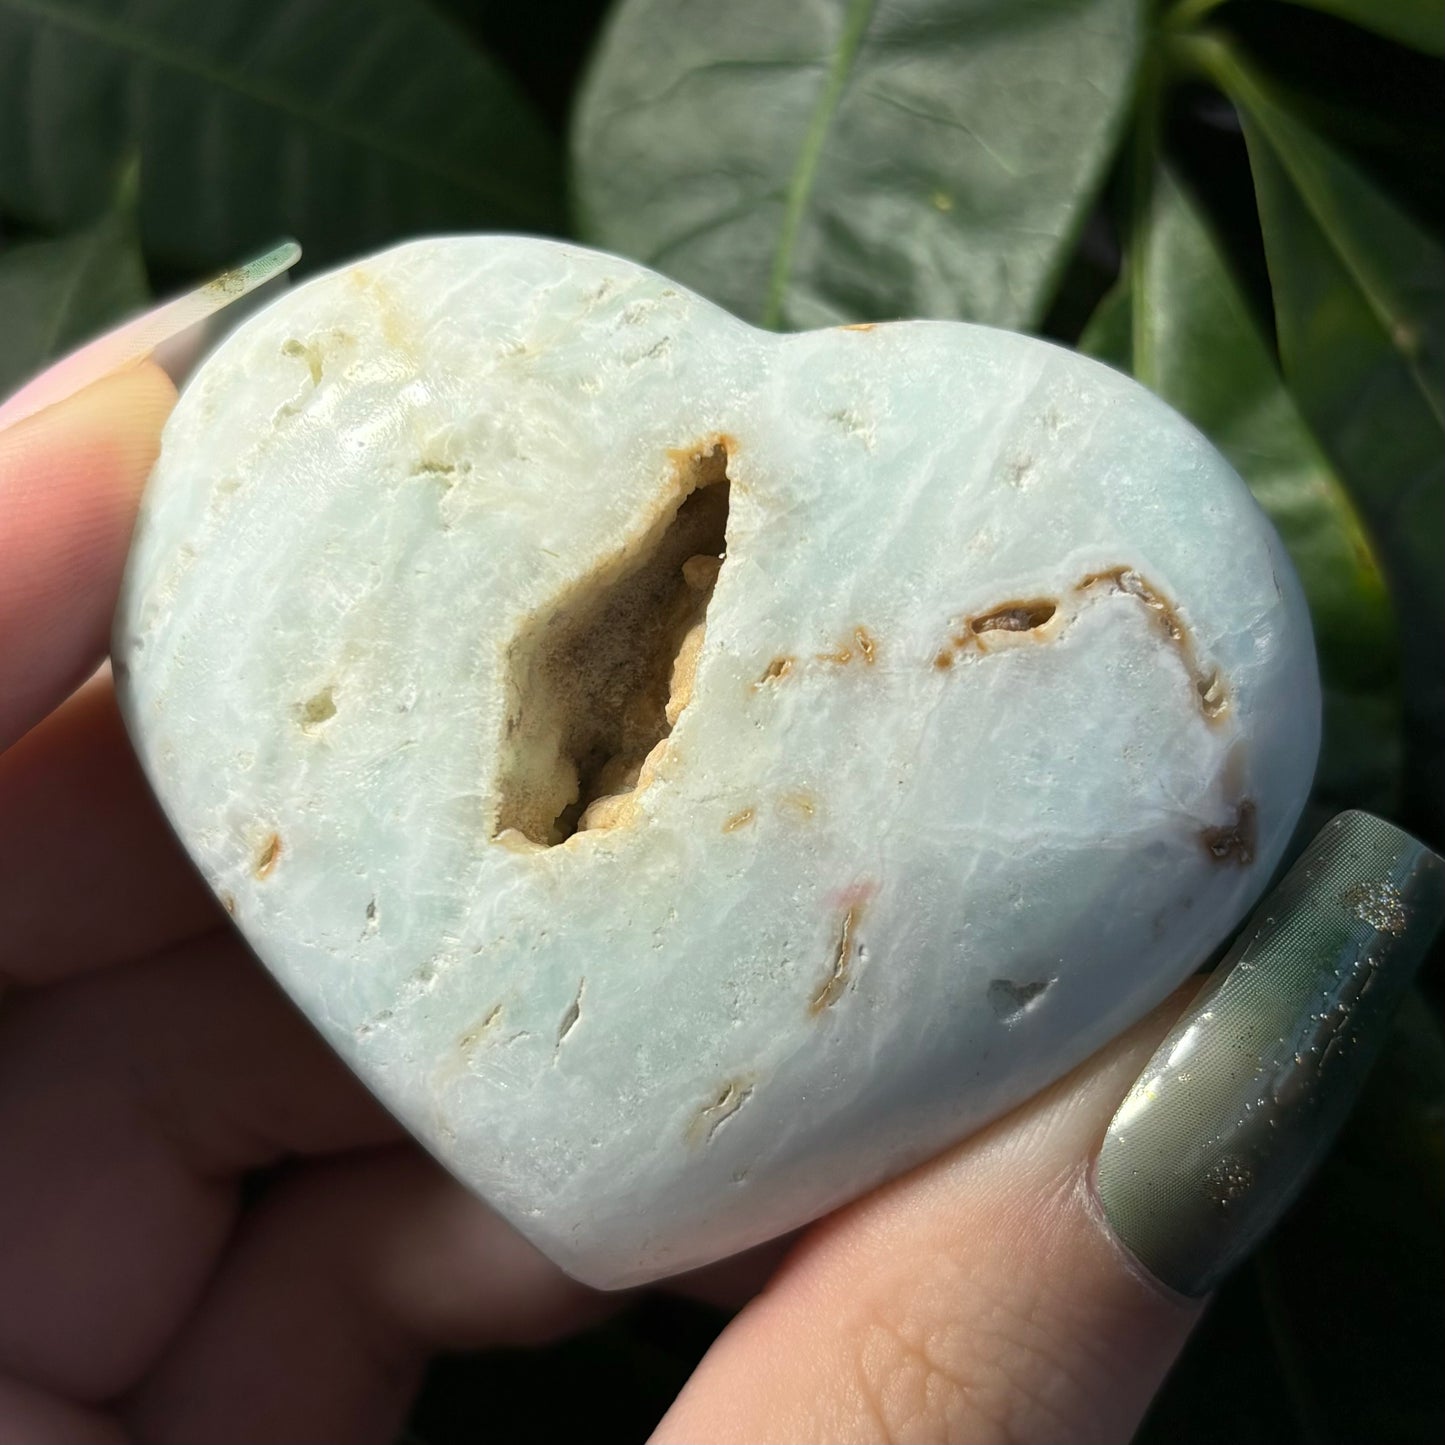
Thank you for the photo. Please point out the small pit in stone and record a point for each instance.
(1233, 842)
(1010, 1001)
(840, 975)
(267, 856)
(711, 1117)
(309, 353)
(775, 671)
(600, 680)
(1015, 617)
(319, 708)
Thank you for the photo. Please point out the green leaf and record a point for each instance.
(1365, 1244)
(343, 122)
(1419, 24)
(1359, 296)
(1179, 322)
(56, 294)
(810, 164)
(1109, 336)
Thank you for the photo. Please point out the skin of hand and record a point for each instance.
(149, 1068)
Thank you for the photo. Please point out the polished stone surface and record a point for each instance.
(673, 904)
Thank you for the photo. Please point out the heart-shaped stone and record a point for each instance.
(672, 903)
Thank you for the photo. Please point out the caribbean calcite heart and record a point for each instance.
(692, 774)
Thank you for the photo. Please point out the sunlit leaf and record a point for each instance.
(1180, 324)
(1359, 296)
(808, 164)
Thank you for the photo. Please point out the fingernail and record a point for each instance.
(1243, 1098)
(139, 337)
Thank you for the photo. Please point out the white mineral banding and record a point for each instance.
(693, 774)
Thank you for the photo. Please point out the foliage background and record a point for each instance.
(1240, 201)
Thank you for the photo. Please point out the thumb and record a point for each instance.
(70, 480)
(76, 446)
(1036, 1282)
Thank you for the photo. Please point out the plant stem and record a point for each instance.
(1200, 56)
(1143, 158)
(1188, 13)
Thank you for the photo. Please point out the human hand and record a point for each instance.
(148, 1067)
(151, 1289)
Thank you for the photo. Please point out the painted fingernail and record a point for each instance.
(1243, 1098)
(139, 337)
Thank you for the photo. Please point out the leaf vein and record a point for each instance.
(806, 172)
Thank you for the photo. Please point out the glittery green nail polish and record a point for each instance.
(1241, 1100)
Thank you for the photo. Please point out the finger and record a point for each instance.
(90, 873)
(131, 1100)
(987, 1296)
(340, 1284)
(152, 333)
(70, 480)
(29, 1416)
(918, 1313)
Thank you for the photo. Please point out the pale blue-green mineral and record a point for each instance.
(672, 901)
